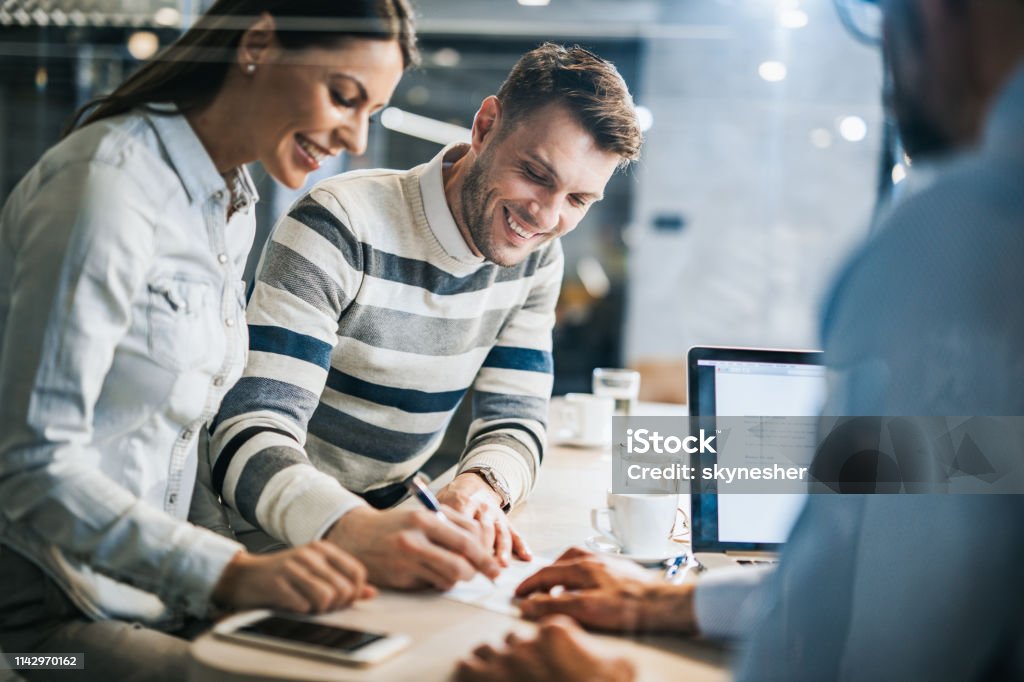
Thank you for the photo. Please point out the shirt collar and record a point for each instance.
(435, 205)
(193, 164)
(243, 190)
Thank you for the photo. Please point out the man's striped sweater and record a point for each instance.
(369, 320)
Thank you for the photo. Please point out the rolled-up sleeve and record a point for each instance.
(513, 387)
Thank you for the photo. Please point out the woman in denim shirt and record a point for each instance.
(122, 326)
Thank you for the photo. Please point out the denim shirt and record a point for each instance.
(121, 328)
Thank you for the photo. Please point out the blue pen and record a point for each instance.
(417, 487)
(673, 566)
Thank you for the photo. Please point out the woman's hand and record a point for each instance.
(314, 578)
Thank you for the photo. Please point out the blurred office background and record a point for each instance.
(766, 151)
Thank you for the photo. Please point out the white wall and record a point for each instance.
(769, 216)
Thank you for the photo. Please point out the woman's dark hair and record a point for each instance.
(192, 69)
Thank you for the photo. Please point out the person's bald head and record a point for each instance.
(949, 58)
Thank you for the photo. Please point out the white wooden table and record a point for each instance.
(557, 516)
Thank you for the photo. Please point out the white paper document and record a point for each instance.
(497, 596)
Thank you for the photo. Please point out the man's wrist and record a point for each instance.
(490, 480)
(341, 529)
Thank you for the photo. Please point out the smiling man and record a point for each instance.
(383, 296)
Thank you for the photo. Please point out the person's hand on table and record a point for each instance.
(560, 652)
(313, 578)
(607, 594)
(471, 495)
(412, 549)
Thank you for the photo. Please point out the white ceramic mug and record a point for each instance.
(639, 524)
(581, 419)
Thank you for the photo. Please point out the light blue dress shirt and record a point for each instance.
(121, 327)
(925, 320)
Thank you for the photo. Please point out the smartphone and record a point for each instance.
(300, 635)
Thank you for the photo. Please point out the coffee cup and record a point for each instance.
(582, 420)
(639, 524)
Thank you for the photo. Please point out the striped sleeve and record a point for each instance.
(513, 387)
(309, 271)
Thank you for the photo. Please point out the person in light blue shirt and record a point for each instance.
(924, 320)
(122, 327)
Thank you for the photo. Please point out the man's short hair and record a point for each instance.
(590, 87)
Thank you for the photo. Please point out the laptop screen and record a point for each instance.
(755, 383)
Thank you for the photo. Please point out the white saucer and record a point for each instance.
(604, 545)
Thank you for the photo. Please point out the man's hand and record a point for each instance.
(612, 595)
(313, 578)
(470, 494)
(560, 652)
(412, 549)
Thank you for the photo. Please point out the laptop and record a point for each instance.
(749, 529)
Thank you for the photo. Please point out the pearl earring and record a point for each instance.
(250, 68)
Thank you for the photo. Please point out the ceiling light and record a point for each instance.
(167, 16)
(772, 72)
(853, 128)
(422, 127)
(418, 95)
(143, 44)
(533, 3)
(447, 57)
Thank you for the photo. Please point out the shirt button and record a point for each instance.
(218, 381)
(219, 195)
(229, 322)
(173, 499)
(187, 435)
(222, 258)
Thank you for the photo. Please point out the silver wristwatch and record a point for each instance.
(492, 479)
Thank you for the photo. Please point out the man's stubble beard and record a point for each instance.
(474, 199)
